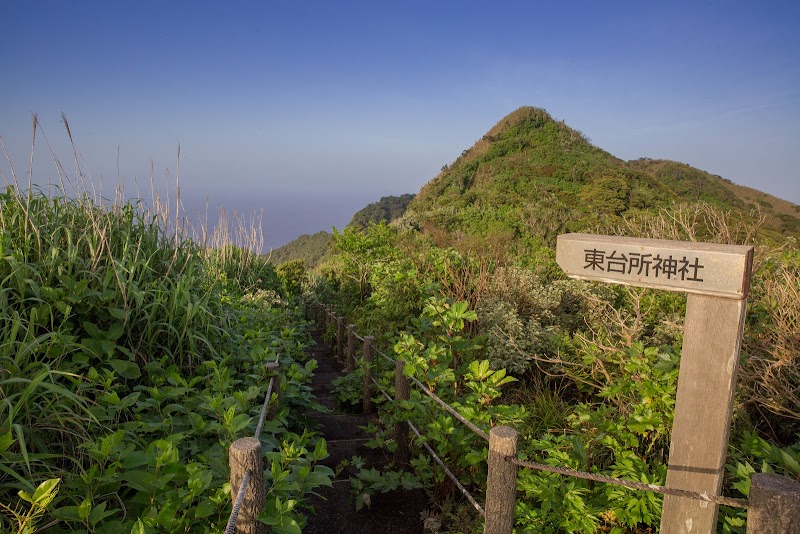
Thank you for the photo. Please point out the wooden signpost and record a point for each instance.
(717, 278)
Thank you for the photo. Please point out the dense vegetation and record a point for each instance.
(530, 177)
(464, 288)
(130, 359)
(313, 249)
(310, 249)
(387, 209)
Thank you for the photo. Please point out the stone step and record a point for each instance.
(391, 513)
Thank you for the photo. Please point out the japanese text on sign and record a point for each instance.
(648, 265)
(702, 268)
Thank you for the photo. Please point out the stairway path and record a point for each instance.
(390, 513)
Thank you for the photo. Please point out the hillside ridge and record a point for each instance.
(529, 165)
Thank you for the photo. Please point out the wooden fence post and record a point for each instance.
(350, 365)
(340, 339)
(245, 454)
(774, 505)
(402, 456)
(274, 367)
(366, 395)
(501, 484)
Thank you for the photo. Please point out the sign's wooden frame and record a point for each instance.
(717, 278)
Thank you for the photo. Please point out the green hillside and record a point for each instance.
(533, 176)
(466, 291)
(310, 248)
(387, 209)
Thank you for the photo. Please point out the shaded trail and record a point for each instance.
(391, 513)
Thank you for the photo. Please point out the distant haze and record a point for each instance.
(310, 112)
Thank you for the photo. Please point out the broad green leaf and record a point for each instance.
(6, 440)
(205, 509)
(45, 492)
(140, 480)
(126, 369)
(138, 527)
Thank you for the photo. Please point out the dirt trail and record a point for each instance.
(391, 513)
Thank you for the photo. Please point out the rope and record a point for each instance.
(385, 357)
(447, 471)
(381, 389)
(264, 408)
(231, 526)
(727, 501)
(266, 403)
(446, 406)
(452, 411)
(357, 336)
(436, 458)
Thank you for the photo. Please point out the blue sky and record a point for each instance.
(312, 110)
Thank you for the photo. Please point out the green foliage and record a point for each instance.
(625, 435)
(312, 249)
(466, 289)
(131, 359)
(536, 177)
(441, 358)
(292, 275)
(348, 390)
(37, 504)
(387, 209)
(368, 482)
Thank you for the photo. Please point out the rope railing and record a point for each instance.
(436, 457)
(483, 434)
(772, 498)
(385, 357)
(247, 452)
(380, 388)
(469, 424)
(474, 428)
(447, 471)
(654, 488)
(230, 528)
(257, 435)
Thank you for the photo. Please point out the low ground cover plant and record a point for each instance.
(131, 358)
(587, 373)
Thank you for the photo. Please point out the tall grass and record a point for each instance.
(94, 292)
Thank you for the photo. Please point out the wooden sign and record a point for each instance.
(704, 268)
(717, 278)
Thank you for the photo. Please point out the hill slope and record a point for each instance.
(531, 175)
(313, 248)
(310, 248)
(386, 209)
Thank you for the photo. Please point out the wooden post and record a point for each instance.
(350, 364)
(340, 339)
(774, 505)
(401, 455)
(245, 455)
(703, 404)
(501, 484)
(275, 370)
(717, 278)
(366, 395)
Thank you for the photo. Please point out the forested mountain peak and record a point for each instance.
(533, 173)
